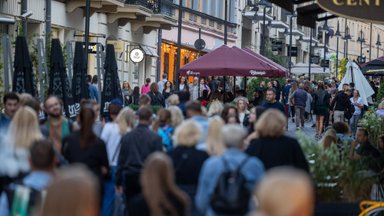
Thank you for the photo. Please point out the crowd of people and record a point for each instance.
(202, 153)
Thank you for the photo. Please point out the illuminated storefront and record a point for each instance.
(169, 56)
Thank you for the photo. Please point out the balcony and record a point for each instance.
(106, 6)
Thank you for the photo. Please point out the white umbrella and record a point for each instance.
(355, 75)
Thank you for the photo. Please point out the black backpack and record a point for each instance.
(231, 196)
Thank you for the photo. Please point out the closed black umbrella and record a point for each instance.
(23, 77)
(374, 67)
(79, 80)
(58, 80)
(111, 89)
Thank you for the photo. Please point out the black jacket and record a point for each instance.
(136, 146)
(341, 102)
(279, 151)
(157, 99)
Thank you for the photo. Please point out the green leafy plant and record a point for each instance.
(373, 124)
(380, 94)
(254, 83)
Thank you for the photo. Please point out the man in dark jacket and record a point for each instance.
(136, 146)
(299, 100)
(339, 104)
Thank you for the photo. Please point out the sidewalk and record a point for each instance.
(307, 130)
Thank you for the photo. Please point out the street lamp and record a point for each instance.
(290, 43)
(337, 35)
(378, 45)
(361, 40)
(347, 37)
(326, 35)
(266, 5)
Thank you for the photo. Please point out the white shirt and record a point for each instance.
(359, 101)
(161, 84)
(111, 136)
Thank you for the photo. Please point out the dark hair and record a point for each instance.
(34, 104)
(259, 111)
(194, 106)
(94, 79)
(165, 85)
(184, 96)
(87, 118)
(136, 90)
(89, 78)
(164, 76)
(10, 96)
(52, 96)
(148, 80)
(154, 87)
(226, 120)
(352, 84)
(226, 109)
(205, 95)
(345, 84)
(365, 131)
(216, 95)
(163, 118)
(144, 100)
(42, 154)
(114, 109)
(144, 114)
(341, 127)
(272, 90)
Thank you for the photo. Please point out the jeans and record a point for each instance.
(300, 118)
(338, 116)
(353, 123)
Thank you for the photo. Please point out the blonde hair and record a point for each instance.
(187, 134)
(285, 191)
(24, 128)
(173, 100)
(215, 108)
(157, 181)
(74, 191)
(328, 138)
(271, 123)
(214, 141)
(176, 116)
(125, 120)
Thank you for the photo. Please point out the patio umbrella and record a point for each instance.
(226, 61)
(79, 79)
(58, 80)
(23, 77)
(374, 67)
(279, 67)
(111, 89)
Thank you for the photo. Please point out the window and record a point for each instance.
(203, 21)
(211, 23)
(219, 26)
(192, 17)
(195, 4)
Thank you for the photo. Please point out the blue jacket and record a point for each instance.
(300, 98)
(93, 93)
(253, 171)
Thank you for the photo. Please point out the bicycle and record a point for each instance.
(371, 208)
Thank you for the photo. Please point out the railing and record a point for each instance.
(164, 7)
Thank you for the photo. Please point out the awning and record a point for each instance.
(149, 51)
(7, 20)
(302, 68)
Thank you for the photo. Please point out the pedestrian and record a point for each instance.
(157, 98)
(357, 102)
(299, 98)
(42, 162)
(135, 95)
(184, 97)
(173, 100)
(136, 146)
(177, 116)
(277, 87)
(258, 98)
(242, 108)
(285, 96)
(290, 101)
(340, 104)
(167, 90)
(254, 115)
(308, 106)
(285, 191)
(272, 147)
(163, 127)
(160, 194)
(214, 142)
(215, 106)
(111, 135)
(92, 89)
(29, 101)
(85, 147)
(209, 194)
(204, 86)
(56, 126)
(162, 83)
(187, 160)
(194, 88)
(144, 101)
(183, 85)
(229, 110)
(321, 107)
(127, 93)
(11, 104)
(145, 88)
(195, 112)
(74, 191)
(271, 102)
(97, 125)
(214, 84)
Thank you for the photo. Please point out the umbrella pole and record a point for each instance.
(234, 85)
(245, 84)
(225, 96)
(353, 80)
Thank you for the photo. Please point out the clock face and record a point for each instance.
(136, 55)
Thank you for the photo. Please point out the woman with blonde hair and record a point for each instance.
(176, 115)
(285, 191)
(23, 131)
(173, 100)
(215, 108)
(329, 138)
(160, 195)
(272, 147)
(214, 141)
(74, 191)
(187, 160)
